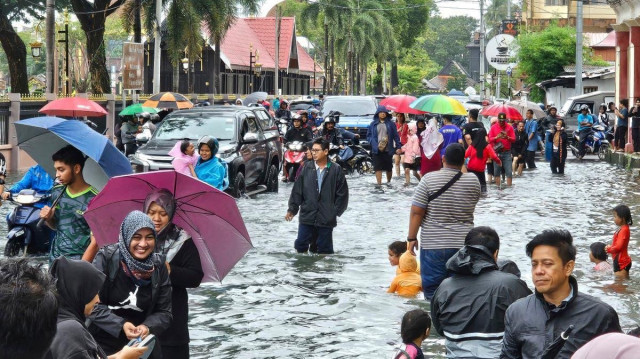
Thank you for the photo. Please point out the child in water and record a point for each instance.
(408, 282)
(184, 158)
(599, 256)
(415, 328)
(618, 249)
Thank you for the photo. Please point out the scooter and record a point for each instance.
(293, 157)
(283, 126)
(25, 237)
(353, 158)
(596, 143)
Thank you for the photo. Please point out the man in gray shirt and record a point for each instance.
(445, 219)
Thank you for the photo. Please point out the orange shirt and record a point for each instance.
(619, 246)
(408, 283)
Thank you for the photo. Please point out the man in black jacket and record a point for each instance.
(468, 308)
(534, 322)
(321, 193)
(297, 132)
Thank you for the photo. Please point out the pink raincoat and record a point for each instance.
(411, 149)
(181, 161)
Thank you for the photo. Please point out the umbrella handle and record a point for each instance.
(53, 205)
(565, 335)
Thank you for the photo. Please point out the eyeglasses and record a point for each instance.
(316, 150)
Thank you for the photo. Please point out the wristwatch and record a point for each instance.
(411, 239)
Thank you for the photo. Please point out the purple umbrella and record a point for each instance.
(210, 216)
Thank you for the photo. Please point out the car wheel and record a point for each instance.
(272, 179)
(12, 248)
(239, 186)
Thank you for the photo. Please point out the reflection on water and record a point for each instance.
(278, 304)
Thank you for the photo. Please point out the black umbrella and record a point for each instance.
(254, 98)
(554, 348)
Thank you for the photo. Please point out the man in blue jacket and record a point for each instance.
(385, 142)
(36, 179)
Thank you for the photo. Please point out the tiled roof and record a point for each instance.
(264, 29)
(608, 41)
(306, 63)
(236, 46)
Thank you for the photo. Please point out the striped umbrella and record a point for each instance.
(168, 100)
(439, 104)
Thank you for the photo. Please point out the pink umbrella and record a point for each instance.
(73, 107)
(210, 216)
(400, 103)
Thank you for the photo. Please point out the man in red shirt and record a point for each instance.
(501, 136)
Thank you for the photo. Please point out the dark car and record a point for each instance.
(356, 113)
(249, 143)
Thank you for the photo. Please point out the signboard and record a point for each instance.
(501, 52)
(132, 65)
(510, 27)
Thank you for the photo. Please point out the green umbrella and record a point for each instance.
(137, 108)
(440, 104)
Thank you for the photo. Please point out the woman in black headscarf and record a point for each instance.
(78, 284)
(135, 299)
(183, 262)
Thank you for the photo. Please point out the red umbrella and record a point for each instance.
(400, 103)
(73, 107)
(511, 112)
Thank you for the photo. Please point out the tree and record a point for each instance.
(498, 11)
(544, 54)
(446, 39)
(13, 46)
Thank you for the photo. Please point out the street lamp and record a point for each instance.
(36, 46)
(251, 62)
(66, 50)
(185, 65)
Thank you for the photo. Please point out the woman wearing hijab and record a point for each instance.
(135, 299)
(430, 141)
(210, 168)
(78, 284)
(183, 262)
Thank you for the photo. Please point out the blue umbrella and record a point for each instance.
(41, 137)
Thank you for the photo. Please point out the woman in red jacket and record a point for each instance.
(478, 152)
(618, 249)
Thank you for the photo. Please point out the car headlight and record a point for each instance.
(142, 157)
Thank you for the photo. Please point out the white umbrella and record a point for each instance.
(523, 106)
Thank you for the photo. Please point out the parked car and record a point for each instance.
(356, 113)
(249, 143)
(571, 108)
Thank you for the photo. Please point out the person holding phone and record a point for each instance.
(622, 116)
(559, 155)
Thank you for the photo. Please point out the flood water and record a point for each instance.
(279, 304)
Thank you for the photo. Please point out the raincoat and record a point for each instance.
(468, 309)
(392, 132)
(530, 325)
(411, 149)
(36, 178)
(408, 283)
(182, 161)
(214, 171)
(612, 346)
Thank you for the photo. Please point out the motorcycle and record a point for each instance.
(596, 143)
(294, 154)
(283, 126)
(353, 158)
(24, 236)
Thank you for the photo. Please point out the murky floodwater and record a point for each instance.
(278, 304)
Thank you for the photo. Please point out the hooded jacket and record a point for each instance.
(531, 325)
(392, 132)
(468, 309)
(411, 148)
(408, 282)
(77, 284)
(319, 208)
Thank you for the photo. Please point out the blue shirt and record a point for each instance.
(531, 126)
(584, 118)
(624, 121)
(213, 172)
(451, 134)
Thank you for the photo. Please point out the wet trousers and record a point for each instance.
(314, 239)
(530, 157)
(433, 269)
(635, 136)
(482, 179)
(557, 163)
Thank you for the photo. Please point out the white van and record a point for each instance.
(571, 108)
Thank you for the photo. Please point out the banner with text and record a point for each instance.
(132, 65)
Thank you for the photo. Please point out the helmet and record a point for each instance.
(210, 141)
(296, 117)
(155, 117)
(315, 101)
(330, 119)
(584, 108)
(284, 102)
(314, 111)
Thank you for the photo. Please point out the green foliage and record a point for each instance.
(458, 81)
(446, 38)
(410, 79)
(497, 11)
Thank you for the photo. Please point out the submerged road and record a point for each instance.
(278, 304)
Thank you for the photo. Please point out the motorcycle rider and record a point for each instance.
(330, 133)
(298, 132)
(36, 179)
(585, 122)
(283, 111)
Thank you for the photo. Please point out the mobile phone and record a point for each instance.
(149, 341)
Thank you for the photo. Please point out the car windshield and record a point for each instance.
(351, 107)
(300, 106)
(566, 107)
(195, 126)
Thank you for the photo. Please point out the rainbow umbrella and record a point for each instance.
(439, 104)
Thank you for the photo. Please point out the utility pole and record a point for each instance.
(67, 80)
(156, 48)
(276, 92)
(326, 55)
(50, 40)
(579, 48)
(482, 89)
(508, 9)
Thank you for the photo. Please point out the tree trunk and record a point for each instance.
(326, 55)
(137, 27)
(16, 52)
(363, 78)
(378, 83)
(357, 71)
(50, 44)
(333, 63)
(176, 77)
(394, 76)
(217, 81)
